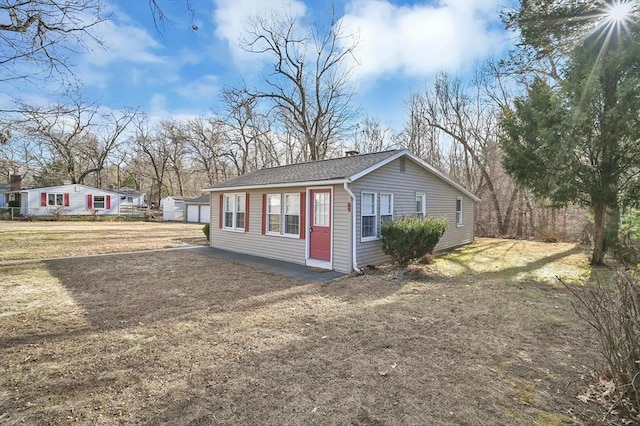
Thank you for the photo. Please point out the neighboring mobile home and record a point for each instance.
(327, 213)
(66, 200)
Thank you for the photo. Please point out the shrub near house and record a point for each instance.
(410, 238)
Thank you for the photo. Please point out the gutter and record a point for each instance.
(353, 222)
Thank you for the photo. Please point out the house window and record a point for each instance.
(55, 200)
(234, 211)
(274, 220)
(421, 204)
(283, 219)
(368, 213)
(129, 199)
(459, 211)
(98, 202)
(292, 214)
(386, 208)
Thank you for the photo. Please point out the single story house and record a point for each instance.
(131, 197)
(172, 208)
(198, 209)
(67, 200)
(327, 214)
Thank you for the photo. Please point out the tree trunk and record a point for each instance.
(599, 213)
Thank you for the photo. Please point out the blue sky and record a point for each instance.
(179, 71)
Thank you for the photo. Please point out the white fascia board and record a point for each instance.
(421, 163)
(278, 185)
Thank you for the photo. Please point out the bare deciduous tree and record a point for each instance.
(310, 86)
(79, 137)
(472, 124)
(38, 35)
(371, 135)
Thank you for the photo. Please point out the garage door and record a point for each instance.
(193, 213)
(205, 214)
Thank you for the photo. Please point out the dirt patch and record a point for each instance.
(180, 338)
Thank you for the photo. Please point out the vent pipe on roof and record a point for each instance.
(351, 153)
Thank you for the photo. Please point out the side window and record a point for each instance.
(292, 214)
(98, 201)
(233, 206)
(421, 204)
(386, 208)
(274, 221)
(368, 216)
(239, 211)
(459, 211)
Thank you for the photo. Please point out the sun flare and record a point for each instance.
(619, 11)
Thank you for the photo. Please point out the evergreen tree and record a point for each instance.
(576, 139)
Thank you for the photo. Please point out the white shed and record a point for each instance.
(173, 208)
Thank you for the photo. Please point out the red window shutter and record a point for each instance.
(43, 199)
(246, 213)
(264, 214)
(108, 202)
(89, 201)
(66, 199)
(303, 213)
(221, 211)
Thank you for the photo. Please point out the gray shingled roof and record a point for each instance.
(337, 168)
(203, 199)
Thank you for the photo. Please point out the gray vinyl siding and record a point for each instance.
(277, 247)
(441, 201)
(342, 232)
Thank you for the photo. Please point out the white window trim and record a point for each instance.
(284, 214)
(267, 216)
(55, 197)
(460, 218)
(234, 198)
(375, 215)
(390, 205)
(424, 203)
(104, 202)
(283, 207)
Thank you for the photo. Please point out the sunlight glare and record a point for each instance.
(619, 11)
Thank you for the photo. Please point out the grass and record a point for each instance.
(39, 240)
(176, 337)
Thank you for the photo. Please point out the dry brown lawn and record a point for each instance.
(484, 336)
(38, 240)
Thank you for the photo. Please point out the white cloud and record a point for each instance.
(201, 90)
(422, 39)
(232, 18)
(122, 42)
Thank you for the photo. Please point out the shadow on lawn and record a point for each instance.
(513, 271)
(122, 291)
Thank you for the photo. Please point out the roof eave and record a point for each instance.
(279, 185)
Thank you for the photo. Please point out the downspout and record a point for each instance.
(353, 224)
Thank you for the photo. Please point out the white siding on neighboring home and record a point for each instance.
(253, 242)
(404, 181)
(78, 201)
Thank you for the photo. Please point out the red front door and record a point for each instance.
(320, 224)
